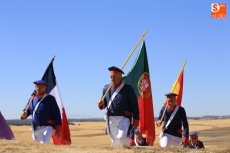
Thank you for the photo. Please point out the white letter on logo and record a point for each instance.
(215, 7)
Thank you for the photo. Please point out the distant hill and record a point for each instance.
(212, 117)
(18, 122)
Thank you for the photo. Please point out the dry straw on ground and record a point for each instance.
(89, 137)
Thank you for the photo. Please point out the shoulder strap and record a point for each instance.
(115, 93)
(38, 104)
(171, 117)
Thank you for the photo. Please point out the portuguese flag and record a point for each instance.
(139, 78)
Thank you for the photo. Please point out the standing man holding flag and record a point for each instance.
(122, 106)
(121, 103)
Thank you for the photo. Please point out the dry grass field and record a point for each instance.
(90, 137)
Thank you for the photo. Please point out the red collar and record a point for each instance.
(141, 141)
(40, 96)
(115, 87)
(197, 142)
(171, 108)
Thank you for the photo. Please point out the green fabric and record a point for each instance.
(139, 67)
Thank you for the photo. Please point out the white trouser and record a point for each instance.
(43, 134)
(168, 139)
(118, 127)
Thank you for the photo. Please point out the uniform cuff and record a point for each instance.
(136, 122)
(185, 140)
(58, 128)
(131, 142)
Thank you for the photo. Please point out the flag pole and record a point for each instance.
(126, 61)
(31, 99)
(32, 96)
(173, 89)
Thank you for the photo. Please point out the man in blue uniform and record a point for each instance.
(122, 106)
(137, 138)
(194, 143)
(174, 118)
(45, 114)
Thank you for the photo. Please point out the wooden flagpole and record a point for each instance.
(173, 89)
(102, 99)
(32, 96)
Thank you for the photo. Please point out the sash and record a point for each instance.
(136, 143)
(36, 107)
(114, 94)
(32, 124)
(169, 121)
(110, 101)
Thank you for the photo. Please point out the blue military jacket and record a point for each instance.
(47, 113)
(124, 104)
(179, 120)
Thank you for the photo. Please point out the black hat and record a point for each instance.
(171, 94)
(114, 68)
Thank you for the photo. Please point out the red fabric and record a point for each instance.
(136, 122)
(185, 141)
(40, 96)
(174, 107)
(194, 136)
(147, 125)
(40, 84)
(115, 72)
(115, 87)
(179, 130)
(197, 142)
(132, 143)
(180, 80)
(50, 121)
(128, 113)
(65, 137)
(58, 128)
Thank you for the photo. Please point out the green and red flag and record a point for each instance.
(139, 79)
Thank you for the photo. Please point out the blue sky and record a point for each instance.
(89, 36)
